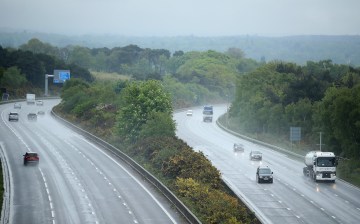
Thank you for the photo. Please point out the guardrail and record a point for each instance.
(5, 214)
(259, 142)
(189, 216)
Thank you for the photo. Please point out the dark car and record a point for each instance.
(238, 147)
(255, 155)
(13, 116)
(32, 116)
(41, 112)
(264, 174)
(31, 157)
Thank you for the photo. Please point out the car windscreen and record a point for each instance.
(264, 171)
(31, 154)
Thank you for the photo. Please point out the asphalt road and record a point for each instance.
(292, 198)
(75, 180)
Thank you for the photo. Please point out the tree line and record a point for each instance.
(318, 97)
(23, 71)
(192, 77)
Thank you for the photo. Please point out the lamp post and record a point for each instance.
(47, 83)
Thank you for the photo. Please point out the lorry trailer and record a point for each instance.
(320, 166)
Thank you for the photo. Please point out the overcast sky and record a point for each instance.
(183, 17)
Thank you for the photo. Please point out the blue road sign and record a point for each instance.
(64, 75)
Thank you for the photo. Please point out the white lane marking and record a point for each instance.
(322, 209)
(135, 179)
(105, 178)
(66, 166)
(49, 196)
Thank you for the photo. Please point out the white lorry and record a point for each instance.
(30, 98)
(320, 166)
(208, 113)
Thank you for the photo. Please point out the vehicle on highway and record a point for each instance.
(264, 174)
(30, 98)
(189, 113)
(40, 103)
(31, 157)
(32, 116)
(255, 155)
(238, 147)
(13, 116)
(320, 166)
(208, 113)
(41, 112)
(17, 105)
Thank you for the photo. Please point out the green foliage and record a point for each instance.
(187, 94)
(190, 164)
(94, 104)
(141, 100)
(12, 78)
(37, 47)
(174, 158)
(81, 56)
(192, 177)
(212, 206)
(340, 113)
(158, 124)
(34, 66)
(319, 97)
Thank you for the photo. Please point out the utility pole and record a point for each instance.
(320, 140)
(46, 83)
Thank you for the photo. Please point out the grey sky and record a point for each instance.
(183, 17)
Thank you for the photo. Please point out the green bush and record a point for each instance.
(211, 205)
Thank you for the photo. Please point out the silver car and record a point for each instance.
(13, 116)
(17, 106)
(255, 155)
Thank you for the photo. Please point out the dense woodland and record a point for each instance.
(296, 49)
(318, 97)
(135, 113)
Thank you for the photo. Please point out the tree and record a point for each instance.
(235, 53)
(81, 56)
(37, 47)
(12, 78)
(158, 124)
(141, 101)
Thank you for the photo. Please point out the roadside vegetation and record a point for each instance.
(318, 97)
(130, 94)
(136, 116)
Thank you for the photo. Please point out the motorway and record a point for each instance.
(292, 198)
(75, 180)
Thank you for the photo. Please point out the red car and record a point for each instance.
(31, 157)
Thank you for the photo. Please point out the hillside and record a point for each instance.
(298, 49)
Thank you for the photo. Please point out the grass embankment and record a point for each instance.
(347, 169)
